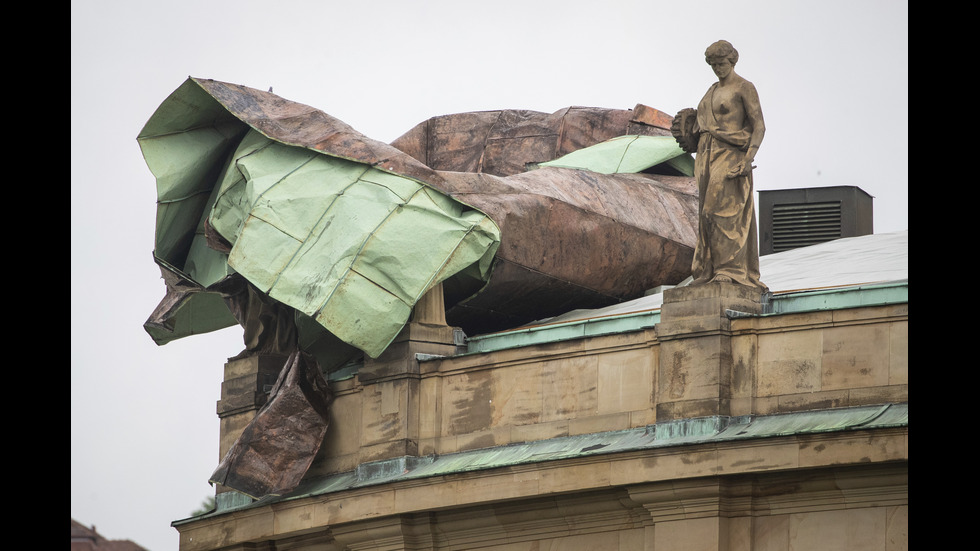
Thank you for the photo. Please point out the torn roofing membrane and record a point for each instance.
(325, 235)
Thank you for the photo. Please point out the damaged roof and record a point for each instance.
(332, 223)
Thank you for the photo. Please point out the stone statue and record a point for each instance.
(725, 132)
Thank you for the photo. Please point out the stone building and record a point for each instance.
(685, 420)
(691, 418)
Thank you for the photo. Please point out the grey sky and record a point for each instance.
(832, 77)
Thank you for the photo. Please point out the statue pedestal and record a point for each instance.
(696, 367)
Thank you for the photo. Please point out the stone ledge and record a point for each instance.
(672, 465)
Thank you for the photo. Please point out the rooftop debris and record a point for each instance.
(313, 237)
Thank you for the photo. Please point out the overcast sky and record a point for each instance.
(832, 77)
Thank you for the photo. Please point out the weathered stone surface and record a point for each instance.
(898, 353)
(790, 363)
(782, 490)
(709, 301)
(759, 365)
(511, 396)
(625, 381)
(247, 382)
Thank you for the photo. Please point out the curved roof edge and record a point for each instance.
(684, 432)
(643, 314)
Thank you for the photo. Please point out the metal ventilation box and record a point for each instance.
(793, 218)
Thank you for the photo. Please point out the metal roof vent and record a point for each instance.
(793, 218)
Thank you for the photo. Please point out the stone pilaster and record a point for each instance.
(390, 428)
(425, 333)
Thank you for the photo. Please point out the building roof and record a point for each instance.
(84, 538)
(854, 261)
(845, 273)
(856, 271)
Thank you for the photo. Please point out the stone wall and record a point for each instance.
(843, 489)
(784, 363)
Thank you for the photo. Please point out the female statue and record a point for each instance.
(725, 131)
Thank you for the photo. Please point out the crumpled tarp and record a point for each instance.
(568, 238)
(573, 239)
(276, 448)
(326, 235)
(510, 141)
(330, 237)
(318, 239)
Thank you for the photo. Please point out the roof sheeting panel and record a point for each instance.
(627, 155)
(345, 242)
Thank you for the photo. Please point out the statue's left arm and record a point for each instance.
(757, 126)
(753, 118)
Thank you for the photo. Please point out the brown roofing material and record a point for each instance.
(272, 456)
(573, 239)
(569, 238)
(510, 141)
(84, 538)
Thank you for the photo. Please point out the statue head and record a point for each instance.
(722, 49)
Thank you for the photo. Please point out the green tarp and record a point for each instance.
(348, 244)
(628, 154)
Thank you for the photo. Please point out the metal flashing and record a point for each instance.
(874, 294)
(877, 294)
(577, 329)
